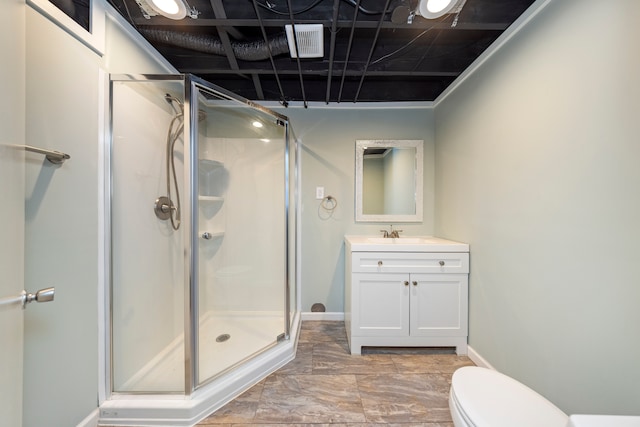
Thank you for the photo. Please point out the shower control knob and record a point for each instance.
(163, 207)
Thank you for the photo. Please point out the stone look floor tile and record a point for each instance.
(334, 358)
(240, 410)
(322, 331)
(436, 363)
(403, 398)
(327, 386)
(348, 425)
(302, 364)
(310, 399)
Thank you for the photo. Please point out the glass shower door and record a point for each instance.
(201, 253)
(241, 236)
(147, 253)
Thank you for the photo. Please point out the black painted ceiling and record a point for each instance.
(367, 57)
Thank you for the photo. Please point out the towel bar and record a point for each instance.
(55, 157)
(43, 295)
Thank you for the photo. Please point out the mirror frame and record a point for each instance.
(391, 143)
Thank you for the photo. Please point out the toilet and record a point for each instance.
(481, 397)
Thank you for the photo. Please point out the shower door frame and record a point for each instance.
(192, 86)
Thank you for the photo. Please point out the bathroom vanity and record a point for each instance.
(406, 292)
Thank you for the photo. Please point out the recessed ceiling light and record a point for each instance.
(432, 9)
(173, 9)
(257, 124)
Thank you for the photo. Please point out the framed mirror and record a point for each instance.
(389, 180)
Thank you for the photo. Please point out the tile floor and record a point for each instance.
(325, 384)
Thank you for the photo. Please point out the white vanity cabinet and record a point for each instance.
(412, 298)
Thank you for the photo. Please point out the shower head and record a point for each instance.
(202, 115)
(171, 100)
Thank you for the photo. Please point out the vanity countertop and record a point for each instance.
(403, 244)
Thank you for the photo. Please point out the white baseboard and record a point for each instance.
(477, 359)
(333, 316)
(91, 420)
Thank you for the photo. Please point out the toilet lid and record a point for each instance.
(488, 398)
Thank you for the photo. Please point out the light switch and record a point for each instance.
(319, 193)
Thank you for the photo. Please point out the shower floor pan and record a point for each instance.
(226, 338)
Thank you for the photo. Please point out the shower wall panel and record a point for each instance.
(238, 272)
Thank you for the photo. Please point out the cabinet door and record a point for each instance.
(439, 305)
(380, 305)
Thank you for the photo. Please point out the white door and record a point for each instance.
(12, 130)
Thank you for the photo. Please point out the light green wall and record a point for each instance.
(62, 235)
(537, 158)
(328, 160)
(12, 117)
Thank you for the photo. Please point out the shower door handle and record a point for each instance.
(43, 295)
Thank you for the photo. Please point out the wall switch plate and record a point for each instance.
(319, 193)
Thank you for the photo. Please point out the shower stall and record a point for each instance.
(201, 214)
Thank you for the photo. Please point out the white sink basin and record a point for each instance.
(402, 240)
(403, 244)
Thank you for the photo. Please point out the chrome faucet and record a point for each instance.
(391, 234)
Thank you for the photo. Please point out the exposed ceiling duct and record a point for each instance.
(245, 51)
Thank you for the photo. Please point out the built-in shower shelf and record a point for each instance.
(207, 165)
(210, 198)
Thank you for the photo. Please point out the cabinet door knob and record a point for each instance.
(406, 283)
(415, 283)
(379, 263)
(441, 263)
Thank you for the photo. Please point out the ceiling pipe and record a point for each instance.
(373, 46)
(346, 60)
(295, 42)
(332, 47)
(273, 64)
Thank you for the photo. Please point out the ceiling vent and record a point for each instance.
(309, 38)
